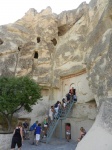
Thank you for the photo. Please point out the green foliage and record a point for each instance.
(17, 93)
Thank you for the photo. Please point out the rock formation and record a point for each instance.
(61, 51)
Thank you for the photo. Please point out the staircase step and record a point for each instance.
(62, 115)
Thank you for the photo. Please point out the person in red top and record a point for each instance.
(68, 132)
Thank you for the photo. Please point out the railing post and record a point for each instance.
(60, 129)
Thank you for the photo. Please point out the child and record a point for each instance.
(68, 132)
(82, 134)
(38, 131)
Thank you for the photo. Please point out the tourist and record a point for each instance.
(38, 132)
(68, 132)
(63, 102)
(59, 105)
(68, 96)
(56, 105)
(75, 98)
(74, 94)
(82, 134)
(32, 132)
(56, 112)
(51, 112)
(25, 129)
(73, 91)
(17, 137)
(45, 126)
(56, 108)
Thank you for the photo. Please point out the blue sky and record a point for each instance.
(12, 10)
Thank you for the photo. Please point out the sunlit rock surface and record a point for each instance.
(72, 49)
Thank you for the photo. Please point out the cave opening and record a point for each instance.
(54, 41)
(1, 42)
(19, 47)
(36, 55)
(63, 29)
(38, 39)
(92, 102)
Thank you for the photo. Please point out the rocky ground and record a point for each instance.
(55, 144)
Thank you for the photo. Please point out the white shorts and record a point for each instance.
(68, 133)
(64, 105)
(37, 137)
(51, 117)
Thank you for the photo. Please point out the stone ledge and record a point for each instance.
(5, 141)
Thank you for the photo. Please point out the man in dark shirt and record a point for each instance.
(25, 129)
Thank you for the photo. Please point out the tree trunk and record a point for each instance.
(8, 120)
(9, 125)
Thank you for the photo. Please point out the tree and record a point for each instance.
(17, 93)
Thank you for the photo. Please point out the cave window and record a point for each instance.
(1, 42)
(54, 41)
(38, 39)
(19, 47)
(59, 34)
(36, 55)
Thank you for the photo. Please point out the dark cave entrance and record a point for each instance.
(36, 55)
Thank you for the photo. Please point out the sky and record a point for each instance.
(12, 10)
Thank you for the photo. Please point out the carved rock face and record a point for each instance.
(48, 46)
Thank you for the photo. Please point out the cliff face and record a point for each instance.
(51, 47)
(48, 46)
(27, 40)
(44, 45)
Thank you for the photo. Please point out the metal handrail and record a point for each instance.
(62, 114)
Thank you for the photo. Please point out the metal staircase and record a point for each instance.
(62, 114)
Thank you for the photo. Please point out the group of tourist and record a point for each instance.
(35, 131)
(54, 110)
(22, 129)
(20, 134)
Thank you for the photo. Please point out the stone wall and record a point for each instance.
(5, 141)
(80, 83)
(82, 115)
(100, 135)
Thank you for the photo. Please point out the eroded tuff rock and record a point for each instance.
(98, 47)
(73, 47)
(102, 129)
(40, 33)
